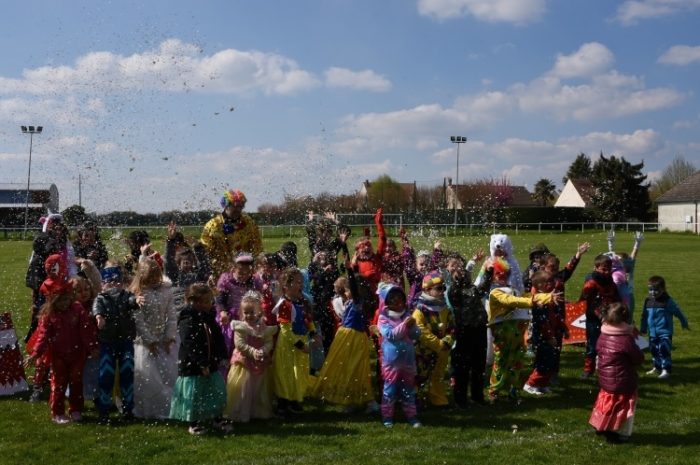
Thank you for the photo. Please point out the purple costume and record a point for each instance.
(398, 360)
(230, 292)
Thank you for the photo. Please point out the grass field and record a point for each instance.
(551, 429)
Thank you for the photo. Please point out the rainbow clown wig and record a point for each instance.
(233, 197)
(501, 266)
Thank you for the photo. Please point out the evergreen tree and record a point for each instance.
(621, 191)
(579, 169)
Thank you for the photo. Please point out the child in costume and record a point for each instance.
(366, 262)
(85, 293)
(436, 323)
(345, 378)
(468, 356)
(416, 266)
(52, 240)
(548, 328)
(537, 253)
(399, 334)
(598, 292)
(56, 278)
(501, 246)
(139, 243)
(199, 394)
(269, 266)
(291, 357)
(248, 390)
(155, 346)
(230, 289)
(508, 318)
(550, 264)
(619, 357)
(113, 310)
(89, 245)
(657, 319)
(184, 264)
(623, 270)
(393, 264)
(68, 335)
(322, 273)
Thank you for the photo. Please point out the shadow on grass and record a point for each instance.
(666, 439)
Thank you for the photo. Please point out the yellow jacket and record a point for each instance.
(503, 305)
(222, 248)
(435, 330)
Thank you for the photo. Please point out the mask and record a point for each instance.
(655, 291)
(394, 315)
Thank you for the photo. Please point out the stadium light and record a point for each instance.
(456, 140)
(31, 130)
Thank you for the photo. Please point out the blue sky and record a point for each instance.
(160, 105)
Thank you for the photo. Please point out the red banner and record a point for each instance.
(576, 322)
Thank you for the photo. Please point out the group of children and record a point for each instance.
(256, 339)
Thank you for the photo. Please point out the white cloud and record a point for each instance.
(680, 55)
(361, 80)
(590, 59)
(604, 94)
(633, 11)
(524, 161)
(509, 11)
(174, 66)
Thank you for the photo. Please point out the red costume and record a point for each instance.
(67, 337)
(369, 264)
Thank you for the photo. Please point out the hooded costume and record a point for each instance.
(398, 358)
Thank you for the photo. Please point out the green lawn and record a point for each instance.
(551, 429)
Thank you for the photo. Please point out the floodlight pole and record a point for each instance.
(456, 140)
(31, 130)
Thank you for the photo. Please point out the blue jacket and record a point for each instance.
(657, 316)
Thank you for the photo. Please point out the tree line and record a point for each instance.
(621, 193)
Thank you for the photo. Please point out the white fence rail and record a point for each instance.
(297, 230)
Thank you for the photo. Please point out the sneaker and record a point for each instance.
(104, 419)
(36, 395)
(372, 407)
(76, 417)
(197, 430)
(128, 417)
(224, 426)
(414, 422)
(653, 371)
(295, 407)
(388, 423)
(281, 413)
(545, 390)
(532, 390)
(61, 419)
(665, 374)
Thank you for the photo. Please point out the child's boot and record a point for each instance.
(36, 394)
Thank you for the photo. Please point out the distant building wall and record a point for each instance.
(678, 216)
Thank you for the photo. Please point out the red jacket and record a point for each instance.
(618, 359)
(66, 334)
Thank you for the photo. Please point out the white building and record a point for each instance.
(678, 207)
(577, 193)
